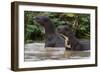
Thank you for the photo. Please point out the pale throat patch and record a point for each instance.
(66, 41)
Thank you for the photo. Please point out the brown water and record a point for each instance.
(37, 52)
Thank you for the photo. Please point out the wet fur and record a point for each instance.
(75, 43)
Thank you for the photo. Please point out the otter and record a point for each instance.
(76, 44)
(53, 38)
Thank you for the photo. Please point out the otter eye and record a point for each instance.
(66, 28)
(58, 29)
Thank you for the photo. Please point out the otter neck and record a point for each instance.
(49, 29)
(70, 35)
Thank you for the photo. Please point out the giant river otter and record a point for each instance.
(53, 39)
(76, 45)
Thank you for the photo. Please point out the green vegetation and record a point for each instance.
(79, 23)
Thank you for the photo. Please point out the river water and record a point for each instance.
(37, 52)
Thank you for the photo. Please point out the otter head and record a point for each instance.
(42, 20)
(64, 29)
